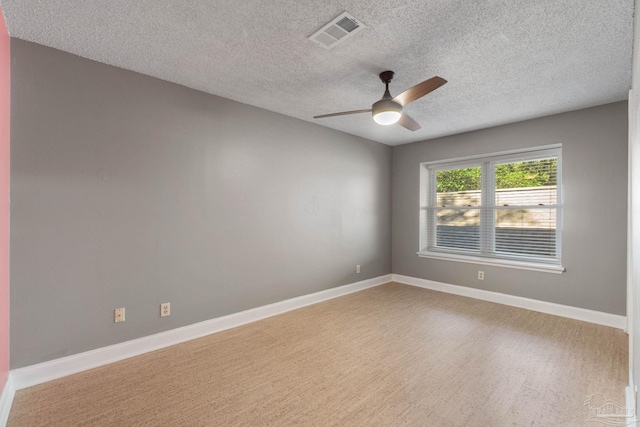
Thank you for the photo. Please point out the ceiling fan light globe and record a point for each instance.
(386, 112)
(386, 118)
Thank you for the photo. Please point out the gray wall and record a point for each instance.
(594, 177)
(128, 191)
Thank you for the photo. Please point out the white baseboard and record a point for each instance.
(630, 402)
(598, 317)
(6, 399)
(630, 406)
(58, 368)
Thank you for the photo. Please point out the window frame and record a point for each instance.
(486, 254)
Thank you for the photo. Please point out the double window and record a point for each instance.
(503, 209)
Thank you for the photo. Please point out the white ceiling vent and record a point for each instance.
(337, 31)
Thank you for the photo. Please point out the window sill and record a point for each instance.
(522, 265)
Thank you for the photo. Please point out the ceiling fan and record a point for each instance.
(388, 110)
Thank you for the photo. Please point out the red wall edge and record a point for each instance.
(5, 64)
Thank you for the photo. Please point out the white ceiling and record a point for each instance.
(505, 60)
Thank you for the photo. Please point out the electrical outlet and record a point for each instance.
(357, 268)
(165, 309)
(480, 275)
(118, 315)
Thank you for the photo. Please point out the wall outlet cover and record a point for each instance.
(165, 309)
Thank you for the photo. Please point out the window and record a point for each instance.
(503, 209)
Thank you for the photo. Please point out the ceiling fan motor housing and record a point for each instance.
(386, 112)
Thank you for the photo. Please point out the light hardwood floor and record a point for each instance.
(387, 356)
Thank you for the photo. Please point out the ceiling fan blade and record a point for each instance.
(344, 113)
(419, 90)
(407, 122)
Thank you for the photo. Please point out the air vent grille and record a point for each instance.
(347, 24)
(337, 31)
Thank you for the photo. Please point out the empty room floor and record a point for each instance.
(387, 356)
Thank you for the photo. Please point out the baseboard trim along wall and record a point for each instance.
(58, 368)
(630, 404)
(6, 400)
(598, 317)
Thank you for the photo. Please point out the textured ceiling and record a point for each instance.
(505, 60)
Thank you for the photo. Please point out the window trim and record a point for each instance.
(427, 170)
